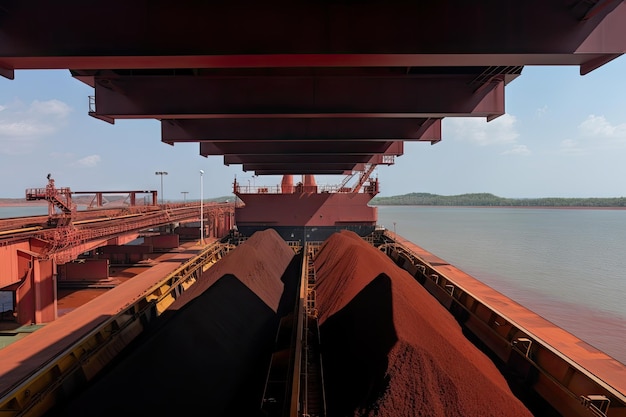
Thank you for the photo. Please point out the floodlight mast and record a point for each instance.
(201, 208)
(161, 173)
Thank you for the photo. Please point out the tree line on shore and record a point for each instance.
(486, 199)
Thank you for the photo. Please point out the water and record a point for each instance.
(35, 210)
(566, 265)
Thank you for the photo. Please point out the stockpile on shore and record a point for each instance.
(390, 349)
(209, 353)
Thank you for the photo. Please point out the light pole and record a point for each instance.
(184, 193)
(161, 173)
(394, 235)
(201, 208)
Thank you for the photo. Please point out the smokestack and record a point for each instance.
(309, 184)
(286, 185)
(309, 180)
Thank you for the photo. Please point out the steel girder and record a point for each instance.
(116, 34)
(196, 97)
(303, 147)
(300, 129)
(300, 87)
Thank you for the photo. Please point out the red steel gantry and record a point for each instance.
(60, 198)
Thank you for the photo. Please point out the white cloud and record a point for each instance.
(478, 131)
(89, 161)
(22, 127)
(599, 126)
(596, 132)
(51, 107)
(517, 150)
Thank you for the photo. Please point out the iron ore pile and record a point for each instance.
(208, 354)
(390, 349)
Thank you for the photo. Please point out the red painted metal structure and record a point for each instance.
(306, 211)
(60, 198)
(284, 88)
(306, 88)
(29, 255)
(99, 197)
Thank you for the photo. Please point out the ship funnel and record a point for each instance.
(309, 184)
(286, 185)
(309, 180)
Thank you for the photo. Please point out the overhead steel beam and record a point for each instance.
(318, 168)
(7, 73)
(286, 171)
(285, 147)
(323, 87)
(295, 159)
(299, 129)
(184, 97)
(194, 34)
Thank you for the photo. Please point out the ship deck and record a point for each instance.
(89, 312)
(562, 357)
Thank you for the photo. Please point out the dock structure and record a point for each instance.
(36, 251)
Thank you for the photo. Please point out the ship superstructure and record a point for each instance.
(307, 211)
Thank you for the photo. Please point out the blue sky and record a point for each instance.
(563, 135)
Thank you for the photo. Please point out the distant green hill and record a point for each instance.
(485, 199)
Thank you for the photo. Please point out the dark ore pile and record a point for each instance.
(209, 353)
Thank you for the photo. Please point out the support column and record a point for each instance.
(36, 296)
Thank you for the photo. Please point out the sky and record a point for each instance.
(563, 135)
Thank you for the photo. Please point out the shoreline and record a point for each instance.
(24, 203)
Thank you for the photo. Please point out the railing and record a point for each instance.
(277, 189)
(65, 242)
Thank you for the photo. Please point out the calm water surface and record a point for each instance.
(6, 212)
(566, 265)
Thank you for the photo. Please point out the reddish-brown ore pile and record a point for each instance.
(258, 263)
(209, 353)
(390, 349)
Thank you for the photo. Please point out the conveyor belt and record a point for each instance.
(294, 385)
